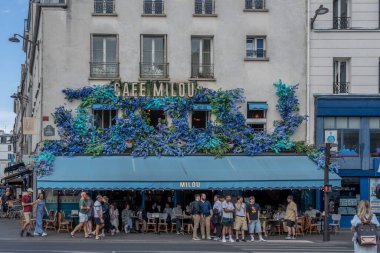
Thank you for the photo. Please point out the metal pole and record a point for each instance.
(326, 234)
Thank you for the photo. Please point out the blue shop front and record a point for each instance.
(353, 123)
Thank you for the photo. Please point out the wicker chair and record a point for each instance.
(64, 225)
(51, 223)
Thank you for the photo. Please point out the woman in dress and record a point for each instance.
(364, 213)
(41, 208)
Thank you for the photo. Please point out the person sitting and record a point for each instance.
(176, 217)
(264, 216)
(126, 216)
(141, 220)
(168, 210)
(311, 212)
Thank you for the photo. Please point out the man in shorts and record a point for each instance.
(27, 206)
(253, 214)
(98, 216)
(291, 218)
(83, 218)
(240, 218)
(227, 218)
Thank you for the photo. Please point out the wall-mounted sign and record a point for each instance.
(374, 194)
(28, 126)
(155, 89)
(49, 131)
(331, 136)
(190, 184)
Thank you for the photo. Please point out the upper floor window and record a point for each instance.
(341, 76)
(104, 118)
(9, 147)
(154, 7)
(374, 126)
(256, 115)
(104, 57)
(341, 19)
(104, 6)
(255, 47)
(204, 7)
(155, 117)
(202, 57)
(254, 4)
(153, 57)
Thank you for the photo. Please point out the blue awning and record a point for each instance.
(190, 172)
(202, 107)
(257, 106)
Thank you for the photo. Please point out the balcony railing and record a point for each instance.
(254, 4)
(53, 2)
(341, 87)
(104, 6)
(154, 70)
(341, 22)
(256, 53)
(154, 7)
(202, 71)
(104, 69)
(204, 7)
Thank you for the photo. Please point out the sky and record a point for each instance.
(12, 15)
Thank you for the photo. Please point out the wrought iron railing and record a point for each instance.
(260, 53)
(202, 70)
(104, 69)
(104, 6)
(204, 7)
(154, 70)
(255, 4)
(342, 22)
(341, 87)
(154, 7)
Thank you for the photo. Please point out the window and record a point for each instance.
(155, 117)
(104, 6)
(204, 7)
(153, 7)
(254, 4)
(256, 114)
(104, 118)
(375, 142)
(258, 127)
(341, 83)
(348, 143)
(153, 57)
(201, 58)
(104, 57)
(255, 47)
(199, 119)
(9, 147)
(341, 19)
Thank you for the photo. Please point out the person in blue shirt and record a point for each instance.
(206, 213)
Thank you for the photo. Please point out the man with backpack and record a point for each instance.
(196, 215)
(216, 219)
(206, 213)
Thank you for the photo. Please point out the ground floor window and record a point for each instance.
(104, 118)
(155, 117)
(258, 127)
(346, 198)
(199, 119)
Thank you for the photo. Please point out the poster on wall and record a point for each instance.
(374, 194)
(331, 136)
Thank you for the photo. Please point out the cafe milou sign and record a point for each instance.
(155, 89)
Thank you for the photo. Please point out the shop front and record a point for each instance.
(171, 180)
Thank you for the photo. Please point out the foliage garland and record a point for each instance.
(132, 133)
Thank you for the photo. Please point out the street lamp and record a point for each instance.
(14, 39)
(320, 11)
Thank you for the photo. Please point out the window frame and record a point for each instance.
(111, 120)
(256, 129)
(201, 57)
(104, 56)
(104, 8)
(337, 82)
(153, 10)
(207, 114)
(254, 41)
(373, 131)
(164, 64)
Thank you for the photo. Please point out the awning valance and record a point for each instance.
(257, 106)
(202, 107)
(190, 172)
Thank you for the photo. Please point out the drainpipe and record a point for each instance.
(308, 31)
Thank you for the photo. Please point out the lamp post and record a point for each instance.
(14, 39)
(320, 11)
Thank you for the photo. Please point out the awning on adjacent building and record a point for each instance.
(257, 106)
(14, 167)
(190, 172)
(202, 107)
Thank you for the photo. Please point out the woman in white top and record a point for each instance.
(364, 212)
(114, 213)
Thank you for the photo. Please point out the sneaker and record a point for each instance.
(243, 240)
(44, 234)
(216, 238)
(224, 240)
(293, 238)
(252, 239)
(237, 240)
(262, 240)
(203, 238)
(178, 233)
(22, 233)
(196, 239)
(102, 235)
(232, 240)
(288, 237)
(209, 238)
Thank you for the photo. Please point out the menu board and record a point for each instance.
(374, 194)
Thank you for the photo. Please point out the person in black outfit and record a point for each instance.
(196, 215)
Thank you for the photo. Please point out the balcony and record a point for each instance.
(205, 71)
(154, 8)
(341, 87)
(342, 23)
(204, 8)
(254, 5)
(104, 69)
(53, 3)
(256, 54)
(150, 70)
(104, 7)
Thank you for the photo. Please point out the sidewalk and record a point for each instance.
(10, 230)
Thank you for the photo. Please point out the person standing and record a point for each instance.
(253, 214)
(240, 218)
(206, 213)
(41, 208)
(98, 216)
(195, 213)
(217, 211)
(27, 205)
(114, 213)
(227, 218)
(83, 218)
(176, 217)
(364, 215)
(106, 217)
(291, 218)
(126, 217)
(5, 199)
(90, 214)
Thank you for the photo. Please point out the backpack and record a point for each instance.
(366, 233)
